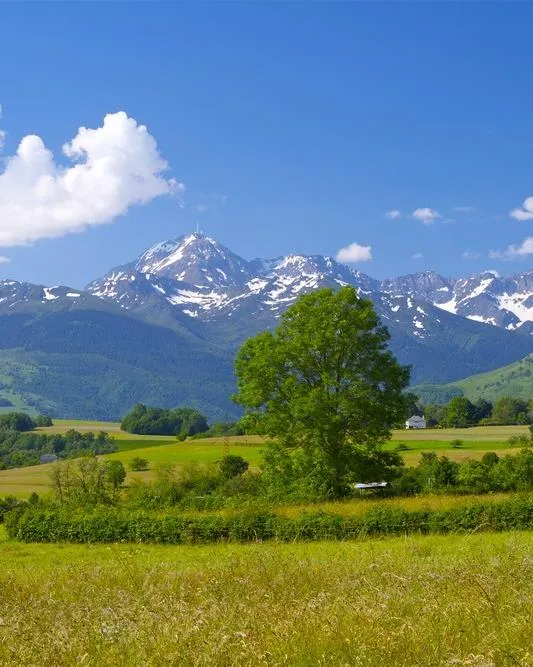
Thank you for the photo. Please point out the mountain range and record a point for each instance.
(164, 328)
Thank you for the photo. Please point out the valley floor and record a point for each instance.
(455, 600)
(20, 482)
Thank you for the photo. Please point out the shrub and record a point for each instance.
(138, 464)
(456, 444)
(43, 420)
(233, 466)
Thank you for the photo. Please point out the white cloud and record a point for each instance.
(524, 213)
(4, 260)
(201, 208)
(513, 251)
(468, 254)
(116, 166)
(417, 255)
(425, 215)
(393, 214)
(355, 253)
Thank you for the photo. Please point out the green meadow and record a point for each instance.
(454, 600)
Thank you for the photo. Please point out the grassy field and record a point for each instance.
(456, 600)
(21, 482)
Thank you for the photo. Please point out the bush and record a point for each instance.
(138, 464)
(43, 420)
(233, 466)
(456, 444)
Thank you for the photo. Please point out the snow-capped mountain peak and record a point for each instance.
(196, 259)
(197, 276)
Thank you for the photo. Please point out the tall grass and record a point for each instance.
(403, 602)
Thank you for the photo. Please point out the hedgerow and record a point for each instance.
(107, 524)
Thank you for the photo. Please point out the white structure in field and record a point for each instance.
(415, 422)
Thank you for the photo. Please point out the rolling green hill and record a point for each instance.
(513, 380)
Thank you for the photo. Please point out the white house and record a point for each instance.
(415, 422)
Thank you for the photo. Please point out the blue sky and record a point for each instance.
(293, 127)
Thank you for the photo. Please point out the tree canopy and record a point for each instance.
(325, 386)
(158, 421)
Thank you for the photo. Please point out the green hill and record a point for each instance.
(514, 380)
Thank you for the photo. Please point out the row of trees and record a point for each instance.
(491, 473)
(461, 413)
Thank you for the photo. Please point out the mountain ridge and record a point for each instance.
(167, 324)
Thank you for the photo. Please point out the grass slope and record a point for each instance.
(461, 600)
(514, 380)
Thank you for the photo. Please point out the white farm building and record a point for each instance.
(415, 422)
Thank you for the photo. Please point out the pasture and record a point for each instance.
(20, 482)
(454, 600)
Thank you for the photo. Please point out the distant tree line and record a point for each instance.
(21, 445)
(461, 413)
(182, 422)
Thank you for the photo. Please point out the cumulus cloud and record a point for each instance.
(513, 251)
(113, 167)
(355, 253)
(393, 214)
(4, 259)
(525, 212)
(425, 215)
(468, 254)
(417, 255)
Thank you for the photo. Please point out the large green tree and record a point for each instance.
(326, 388)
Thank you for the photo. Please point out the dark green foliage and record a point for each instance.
(16, 421)
(138, 464)
(326, 387)
(25, 449)
(233, 466)
(457, 444)
(492, 473)
(43, 420)
(437, 473)
(158, 421)
(459, 413)
(8, 504)
(221, 429)
(510, 411)
(434, 414)
(52, 524)
(96, 362)
(116, 474)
